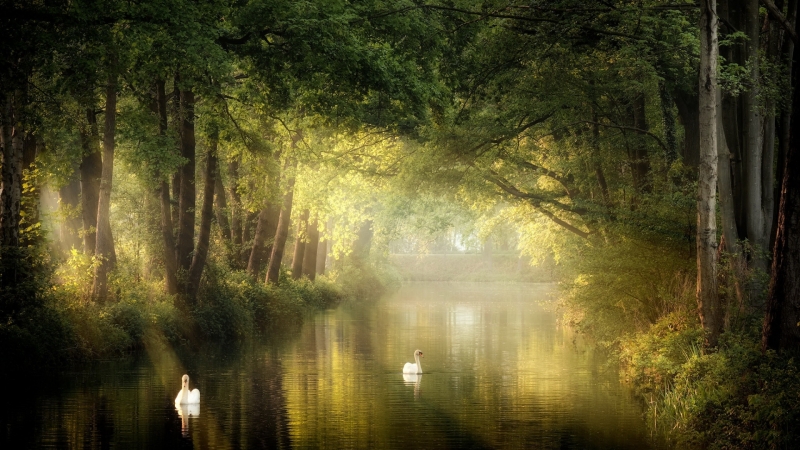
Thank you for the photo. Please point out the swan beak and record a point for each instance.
(420, 355)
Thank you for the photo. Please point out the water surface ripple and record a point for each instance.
(499, 372)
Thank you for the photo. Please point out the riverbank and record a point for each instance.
(67, 328)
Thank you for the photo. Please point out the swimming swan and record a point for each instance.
(414, 368)
(186, 397)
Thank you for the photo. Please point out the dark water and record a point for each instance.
(498, 373)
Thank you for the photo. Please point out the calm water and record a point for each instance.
(499, 373)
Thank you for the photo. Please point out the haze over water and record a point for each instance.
(499, 372)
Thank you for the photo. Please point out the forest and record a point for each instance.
(190, 171)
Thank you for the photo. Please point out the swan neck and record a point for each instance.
(419, 365)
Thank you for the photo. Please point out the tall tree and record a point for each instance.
(300, 240)
(104, 247)
(781, 330)
(91, 172)
(163, 192)
(707, 296)
(206, 214)
(310, 255)
(186, 203)
(282, 233)
(753, 151)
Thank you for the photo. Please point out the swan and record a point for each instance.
(184, 395)
(414, 368)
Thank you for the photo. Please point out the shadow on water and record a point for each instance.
(499, 373)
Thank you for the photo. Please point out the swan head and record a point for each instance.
(418, 353)
(185, 382)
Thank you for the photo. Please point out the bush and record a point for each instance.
(734, 398)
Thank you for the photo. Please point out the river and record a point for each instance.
(499, 372)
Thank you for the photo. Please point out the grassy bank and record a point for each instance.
(65, 327)
(734, 397)
(637, 300)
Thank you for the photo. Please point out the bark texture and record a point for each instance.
(688, 110)
(236, 204)
(752, 138)
(104, 248)
(11, 182)
(707, 296)
(282, 233)
(322, 256)
(186, 202)
(781, 329)
(263, 239)
(221, 202)
(310, 256)
(91, 171)
(69, 198)
(206, 214)
(300, 239)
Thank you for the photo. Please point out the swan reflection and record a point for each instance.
(186, 411)
(415, 379)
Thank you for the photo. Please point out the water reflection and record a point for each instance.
(499, 373)
(414, 380)
(186, 412)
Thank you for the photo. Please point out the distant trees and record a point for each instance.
(178, 78)
(583, 123)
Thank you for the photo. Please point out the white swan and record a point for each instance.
(414, 368)
(184, 396)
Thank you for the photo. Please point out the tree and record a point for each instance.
(781, 330)
(104, 247)
(707, 294)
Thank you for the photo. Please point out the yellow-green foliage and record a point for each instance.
(733, 398)
(627, 285)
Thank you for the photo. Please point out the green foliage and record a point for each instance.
(734, 398)
(360, 283)
(627, 285)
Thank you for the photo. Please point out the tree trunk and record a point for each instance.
(781, 330)
(266, 224)
(248, 232)
(688, 114)
(671, 152)
(69, 199)
(727, 207)
(752, 151)
(91, 171)
(785, 120)
(262, 241)
(186, 203)
(596, 160)
(206, 214)
(322, 255)
(640, 163)
(311, 251)
(104, 249)
(167, 227)
(300, 239)
(221, 202)
(11, 188)
(170, 265)
(707, 296)
(236, 204)
(276, 256)
(363, 243)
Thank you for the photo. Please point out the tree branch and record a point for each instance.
(776, 13)
(536, 202)
(638, 130)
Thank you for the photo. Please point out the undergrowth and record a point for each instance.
(65, 326)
